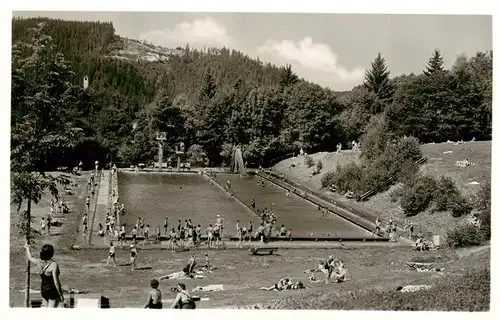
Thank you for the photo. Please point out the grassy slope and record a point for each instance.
(438, 164)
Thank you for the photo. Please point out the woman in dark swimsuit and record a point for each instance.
(154, 298)
(49, 272)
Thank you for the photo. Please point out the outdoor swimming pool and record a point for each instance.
(181, 196)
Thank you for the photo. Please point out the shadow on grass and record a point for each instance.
(144, 268)
(136, 268)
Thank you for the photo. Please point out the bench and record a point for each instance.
(259, 251)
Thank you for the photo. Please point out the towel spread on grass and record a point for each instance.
(209, 288)
(414, 288)
(181, 275)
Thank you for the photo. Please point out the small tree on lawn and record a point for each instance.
(39, 126)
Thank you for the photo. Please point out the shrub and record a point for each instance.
(348, 177)
(446, 194)
(196, 155)
(464, 235)
(392, 160)
(416, 196)
(375, 175)
(483, 204)
(460, 207)
(308, 161)
(374, 141)
(327, 178)
(396, 194)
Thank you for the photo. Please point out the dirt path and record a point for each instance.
(470, 251)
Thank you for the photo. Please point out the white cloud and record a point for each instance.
(205, 32)
(312, 56)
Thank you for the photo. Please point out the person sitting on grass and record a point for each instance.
(339, 273)
(325, 268)
(183, 300)
(420, 244)
(207, 265)
(189, 268)
(154, 297)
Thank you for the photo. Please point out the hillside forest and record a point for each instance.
(217, 98)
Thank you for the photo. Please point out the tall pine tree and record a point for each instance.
(435, 63)
(287, 76)
(377, 82)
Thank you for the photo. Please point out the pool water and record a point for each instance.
(181, 196)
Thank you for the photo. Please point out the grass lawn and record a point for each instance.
(240, 273)
(438, 163)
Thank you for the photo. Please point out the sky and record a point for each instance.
(332, 50)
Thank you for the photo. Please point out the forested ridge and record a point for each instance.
(216, 98)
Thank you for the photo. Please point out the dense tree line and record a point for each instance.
(219, 97)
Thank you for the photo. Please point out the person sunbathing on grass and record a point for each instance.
(282, 285)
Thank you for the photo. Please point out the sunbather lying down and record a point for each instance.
(430, 270)
(209, 288)
(285, 284)
(205, 270)
(181, 275)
